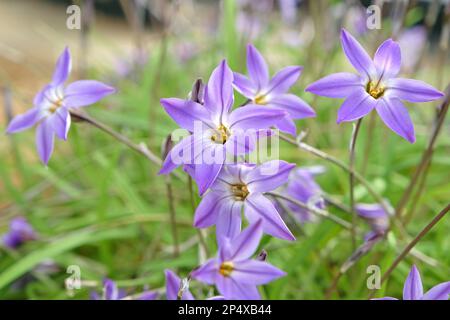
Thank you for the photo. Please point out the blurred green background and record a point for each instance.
(103, 207)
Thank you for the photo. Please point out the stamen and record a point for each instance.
(221, 135)
(55, 105)
(260, 99)
(226, 268)
(240, 191)
(375, 89)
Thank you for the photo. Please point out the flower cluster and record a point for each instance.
(215, 149)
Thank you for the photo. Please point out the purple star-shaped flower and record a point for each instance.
(173, 283)
(375, 87)
(235, 275)
(20, 231)
(216, 130)
(377, 218)
(413, 289)
(242, 186)
(51, 106)
(262, 90)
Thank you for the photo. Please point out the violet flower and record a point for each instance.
(263, 91)
(112, 292)
(303, 187)
(173, 283)
(235, 275)
(52, 104)
(376, 217)
(375, 87)
(413, 289)
(241, 186)
(20, 231)
(216, 130)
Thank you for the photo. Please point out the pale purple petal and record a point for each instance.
(39, 97)
(229, 220)
(439, 292)
(225, 287)
(60, 121)
(356, 54)
(255, 272)
(296, 107)
(255, 117)
(268, 176)
(181, 152)
(258, 207)
(23, 121)
(45, 139)
(111, 292)
(336, 85)
(244, 85)
(283, 80)
(233, 290)
(246, 243)
(173, 284)
(63, 68)
(413, 289)
(388, 59)
(207, 272)
(186, 112)
(395, 115)
(412, 90)
(242, 141)
(85, 92)
(356, 106)
(219, 91)
(257, 68)
(286, 124)
(206, 172)
(207, 211)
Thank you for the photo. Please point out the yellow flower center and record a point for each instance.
(260, 99)
(375, 89)
(220, 135)
(240, 191)
(226, 268)
(55, 105)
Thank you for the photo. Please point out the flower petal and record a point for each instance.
(296, 107)
(181, 153)
(85, 92)
(257, 68)
(234, 290)
(186, 112)
(286, 124)
(268, 176)
(60, 121)
(207, 211)
(246, 243)
(356, 54)
(336, 85)
(219, 92)
(255, 117)
(63, 68)
(207, 272)
(244, 85)
(255, 272)
(206, 172)
(439, 292)
(283, 80)
(45, 140)
(356, 106)
(395, 115)
(229, 220)
(413, 289)
(111, 291)
(258, 207)
(23, 121)
(173, 283)
(242, 141)
(412, 90)
(388, 59)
